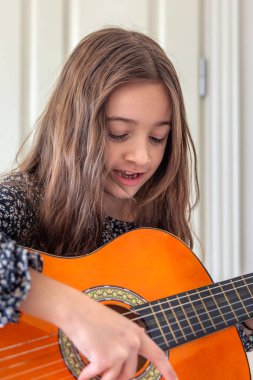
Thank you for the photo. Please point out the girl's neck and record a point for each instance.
(120, 209)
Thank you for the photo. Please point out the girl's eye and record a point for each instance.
(157, 141)
(117, 137)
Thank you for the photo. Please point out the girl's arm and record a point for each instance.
(249, 326)
(110, 341)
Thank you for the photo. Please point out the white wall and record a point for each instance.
(247, 134)
(38, 35)
(10, 80)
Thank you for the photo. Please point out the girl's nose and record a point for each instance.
(138, 153)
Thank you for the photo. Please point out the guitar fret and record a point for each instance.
(244, 281)
(235, 300)
(191, 311)
(197, 291)
(153, 326)
(168, 323)
(239, 297)
(216, 304)
(158, 324)
(183, 322)
(177, 321)
(228, 302)
(245, 298)
(225, 308)
(213, 314)
(186, 318)
(196, 313)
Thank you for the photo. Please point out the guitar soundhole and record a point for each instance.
(121, 300)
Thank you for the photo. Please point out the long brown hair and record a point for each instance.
(67, 157)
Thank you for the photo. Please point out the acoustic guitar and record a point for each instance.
(153, 278)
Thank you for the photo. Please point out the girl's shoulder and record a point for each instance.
(18, 185)
(17, 180)
(19, 202)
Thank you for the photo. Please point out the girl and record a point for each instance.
(111, 152)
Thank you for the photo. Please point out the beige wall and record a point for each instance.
(37, 36)
(246, 61)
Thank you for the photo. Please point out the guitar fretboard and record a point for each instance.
(178, 319)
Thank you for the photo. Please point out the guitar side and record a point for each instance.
(150, 264)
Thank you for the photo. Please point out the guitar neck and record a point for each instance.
(178, 319)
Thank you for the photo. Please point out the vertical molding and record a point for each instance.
(74, 12)
(25, 69)
(246, 64)
(10, 81)
(33, 63)
(221, 160)
(236, 139)
(158, 18)
(42, 55)
(177, 26)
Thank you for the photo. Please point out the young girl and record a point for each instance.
(111, 152)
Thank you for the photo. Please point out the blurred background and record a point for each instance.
(211, 45)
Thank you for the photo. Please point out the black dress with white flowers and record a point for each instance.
(18, 217)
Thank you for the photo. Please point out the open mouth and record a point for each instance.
(126, 174)
(127, 178)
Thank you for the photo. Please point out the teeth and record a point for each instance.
(128, 175)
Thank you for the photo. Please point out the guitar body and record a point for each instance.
(144, 264)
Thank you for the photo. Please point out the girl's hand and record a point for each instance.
(110, 341)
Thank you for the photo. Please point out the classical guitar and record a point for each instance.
(153, 278)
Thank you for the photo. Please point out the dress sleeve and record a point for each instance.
(15, 280)
(247, 340)
(16, 218)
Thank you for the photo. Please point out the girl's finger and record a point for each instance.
(104, 371)
(92, 370)
(129, 368)
(154, 354)
(112, 374)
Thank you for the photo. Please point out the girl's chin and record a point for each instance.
(119, 193)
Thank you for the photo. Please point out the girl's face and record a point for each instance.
(138, 122)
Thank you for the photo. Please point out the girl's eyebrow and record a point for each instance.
(132, 121)
(123, 119)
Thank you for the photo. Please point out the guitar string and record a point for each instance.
(28, 341)
(63, 378)
(201, 290)
(180, 306)
(161, 303)
(198, 323)
(24, 362)
(39, 367)
(27, 352)
(50, 374)
(35, 368)
(48, 364)
(159, 336)
(69, 376)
